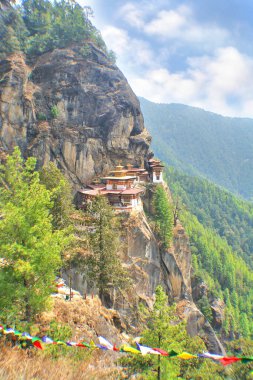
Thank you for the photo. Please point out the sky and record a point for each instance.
(194, 52)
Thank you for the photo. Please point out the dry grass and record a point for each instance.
(87, 319)
(17, 365)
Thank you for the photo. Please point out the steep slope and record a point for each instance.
(77, 111)
(220, 228)
(216, 208)
(203, 143)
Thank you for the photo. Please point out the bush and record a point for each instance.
(54, 112)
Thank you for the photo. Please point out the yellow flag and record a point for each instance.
(185, 356)
(129, 349)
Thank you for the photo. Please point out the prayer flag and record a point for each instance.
(93, 345)
(86, 344)
(101, 347)
(47, 340)
(115, 348)
(80, 344)
(186, 356)
(162, 352)
(208, 355)
(229, 360)
(61, 343)
(71, 344)
(246, 360)
(172, 353)
(146, 350)
(37, 344)
(27, 336)
(9, 331)
(105, 343)
(126, 348)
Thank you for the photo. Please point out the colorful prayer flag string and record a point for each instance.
(104, 344)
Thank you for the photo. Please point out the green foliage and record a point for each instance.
(112, 56)
(54, 112)
(58, 331)
(41, 116)
(12, 31)
(60, 189)
(203, 143)
(85, 50)
(36, 27)
(104, 266)
(57, 24)
(241, 347)
(218, 209)
(205, 308)
(220, 229)
(28, 244)
(163, 215)
(165, 330)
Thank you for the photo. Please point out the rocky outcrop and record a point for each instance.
(176, 264)
(72, 108)
(197, 324)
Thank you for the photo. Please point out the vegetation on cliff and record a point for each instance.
(166, 331)
(103, 266)
(30, 247)
(163, 216)
(220, 230)
(36, 27)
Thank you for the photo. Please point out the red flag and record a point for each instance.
(115, 348)
(162, 352)
(38, 344)
(80, 345)
(229, 360)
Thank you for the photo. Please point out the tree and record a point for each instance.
(29, 247)
(163, 216)
(166, 331)
(104, 267)
(60, 189)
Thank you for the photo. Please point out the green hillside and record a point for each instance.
(203, 143)
(230, 217)
(220, 227)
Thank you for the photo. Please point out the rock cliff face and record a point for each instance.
(73, 108)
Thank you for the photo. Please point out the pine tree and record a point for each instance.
(163, 216)
(166, 331)
(29, 247)
(104, 267)
(61, 195)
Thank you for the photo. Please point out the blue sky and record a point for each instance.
(195, 52)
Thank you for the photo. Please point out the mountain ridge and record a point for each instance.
(203, 143)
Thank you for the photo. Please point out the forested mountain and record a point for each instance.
(218, 209)
(203, 143)
(220, 227)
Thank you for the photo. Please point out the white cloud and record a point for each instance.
(132, 14)
(209, 82)
(180, 24)
(130, 51)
